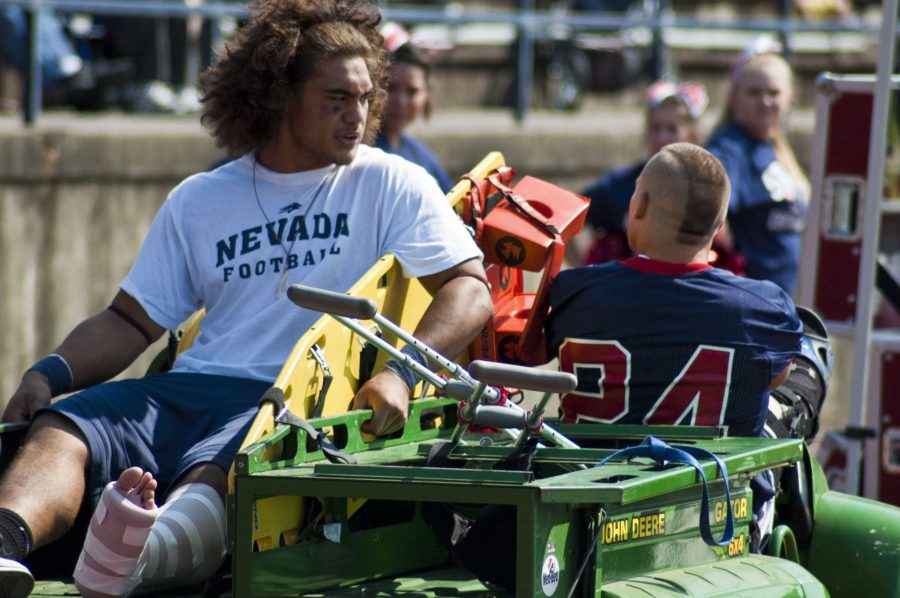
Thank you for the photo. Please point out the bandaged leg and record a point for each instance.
(109, 562)
(133, 545)
(187, 543)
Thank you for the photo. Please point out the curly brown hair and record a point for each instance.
(247, 91)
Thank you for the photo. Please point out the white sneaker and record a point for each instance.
(16, 580)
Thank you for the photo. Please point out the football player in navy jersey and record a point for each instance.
(663, 338)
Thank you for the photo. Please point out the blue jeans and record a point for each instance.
(57, 55)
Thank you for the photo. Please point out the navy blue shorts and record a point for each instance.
(165, 424)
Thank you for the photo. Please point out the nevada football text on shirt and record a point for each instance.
(280, 234)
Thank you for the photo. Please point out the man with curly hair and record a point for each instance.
(294, 98)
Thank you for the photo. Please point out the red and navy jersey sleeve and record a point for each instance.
(697, 347)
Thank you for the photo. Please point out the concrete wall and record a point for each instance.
(75, 204)
(77, 196)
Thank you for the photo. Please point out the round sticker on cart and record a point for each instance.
(550, 575)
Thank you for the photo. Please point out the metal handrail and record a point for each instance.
(534, 19)
(532, 25)
(138, 8)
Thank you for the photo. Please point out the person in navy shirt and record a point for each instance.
(408, 99)
(671, 115)
(663, 338)
(769, 192)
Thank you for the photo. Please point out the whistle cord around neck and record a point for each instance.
(282, 282)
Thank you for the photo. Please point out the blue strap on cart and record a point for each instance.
(664, 454)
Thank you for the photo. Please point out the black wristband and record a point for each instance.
(57, 371)
(406, 373)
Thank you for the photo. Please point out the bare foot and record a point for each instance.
(139, 487)
(109, 562)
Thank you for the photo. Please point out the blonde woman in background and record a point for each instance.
(769, 191)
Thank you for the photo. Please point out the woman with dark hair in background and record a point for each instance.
(408, 99)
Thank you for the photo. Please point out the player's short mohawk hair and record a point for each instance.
(280, 48)
(705, 187)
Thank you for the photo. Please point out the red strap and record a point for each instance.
(474, 193)
(475, 204)
(478, 192)
(522, 205)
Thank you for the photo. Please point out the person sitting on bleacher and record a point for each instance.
(663, 337)
(67, 77)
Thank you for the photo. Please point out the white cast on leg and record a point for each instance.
(187, 543)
